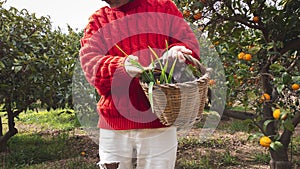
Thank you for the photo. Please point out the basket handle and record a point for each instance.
(199, 66)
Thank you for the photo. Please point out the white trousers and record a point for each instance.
(152, 148)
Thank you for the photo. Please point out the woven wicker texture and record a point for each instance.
(180, 103)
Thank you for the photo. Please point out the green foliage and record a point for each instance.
(234, 31)
(228, 159)
(273, 40)
(36, 62)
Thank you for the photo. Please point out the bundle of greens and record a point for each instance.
(165, 72)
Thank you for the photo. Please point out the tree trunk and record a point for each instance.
(10, 133)
(5, 138)
(241, 115)
(1, 136)
(1, 128)
(280, 165)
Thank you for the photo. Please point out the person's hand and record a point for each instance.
(131, 69)
(176, 52)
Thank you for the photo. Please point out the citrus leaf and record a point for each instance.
(288, 124)
(286, 78)
(276, 145)
(254, 136)
(296, 78)
(276, 67)
(2, 65)
(254, 49)
(280, 88)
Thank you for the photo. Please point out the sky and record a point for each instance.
(62, 12)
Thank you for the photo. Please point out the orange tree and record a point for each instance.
(36, 66)
(258, 42)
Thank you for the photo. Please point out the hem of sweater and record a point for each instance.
(124, 124)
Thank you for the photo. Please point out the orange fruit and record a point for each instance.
(241, 55)
(211, 82)
(276, 114)
(82, 153)
(265, 96)
(247, 57)
(256, 19)
(186, 13)
(197, 16)
(251, 69)
(265, 141)
(295, 86)
(217, 43)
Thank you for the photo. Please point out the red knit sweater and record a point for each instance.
(133, 26)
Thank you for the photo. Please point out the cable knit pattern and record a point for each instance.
(133, 26)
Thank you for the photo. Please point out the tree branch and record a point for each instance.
(293, 64)
(291, 45)
(238, 114)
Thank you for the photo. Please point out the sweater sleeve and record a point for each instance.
(181, 33)
(99, 69)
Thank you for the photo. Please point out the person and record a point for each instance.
(119, 32)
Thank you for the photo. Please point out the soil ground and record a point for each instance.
(222, 149)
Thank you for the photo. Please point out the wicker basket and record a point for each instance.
(179, 104)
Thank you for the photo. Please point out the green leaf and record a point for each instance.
(296, 79)
(150, 92)
(280, 88)
(254, 49)
(254, 136)
(163, 76)
(276, 67)
(276, 145)
(2, 66)
(172, 70)
(286, 78)
(17, 68)
(288, 124)
(157, 58)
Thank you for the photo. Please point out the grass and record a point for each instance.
(27, 149)
(203, 163)
(76, 163)
(238, 126)
(35, 151)
(59, 148)
(228, 159)
(262, 158)
(55, 119)
(32, 149)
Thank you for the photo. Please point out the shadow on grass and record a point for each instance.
(33, 150)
